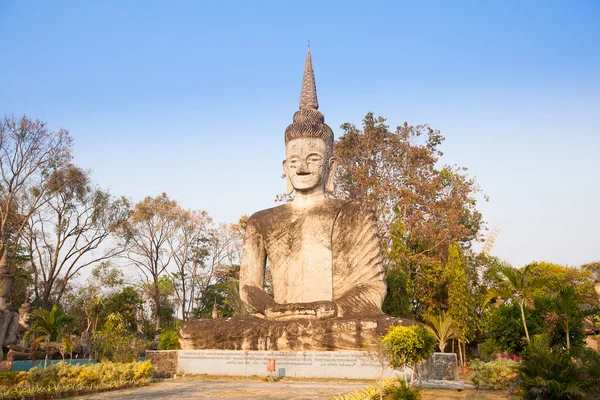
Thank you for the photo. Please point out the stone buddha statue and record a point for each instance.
(327, 280)
(324, 253)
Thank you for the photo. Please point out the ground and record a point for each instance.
(231, 388)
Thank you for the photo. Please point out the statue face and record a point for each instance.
(305, 163)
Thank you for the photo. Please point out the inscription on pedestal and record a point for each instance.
(339, 364)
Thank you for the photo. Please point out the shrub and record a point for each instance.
(407, 345)
(497, 374)
(169, 340)
(390, 390)
(556, 373)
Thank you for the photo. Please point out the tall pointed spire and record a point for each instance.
(308, 96)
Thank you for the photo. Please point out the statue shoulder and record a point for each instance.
(358, 208)
(267, 216)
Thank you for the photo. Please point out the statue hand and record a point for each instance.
(314, 310)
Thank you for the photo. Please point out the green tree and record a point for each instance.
(519, 285)
(460, 299)
(407, 346)
(47, 326)
(566, 310)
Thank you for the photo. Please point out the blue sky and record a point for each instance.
(192, 98)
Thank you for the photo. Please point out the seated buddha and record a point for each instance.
(324, 253)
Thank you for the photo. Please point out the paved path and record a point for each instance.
(232, 389)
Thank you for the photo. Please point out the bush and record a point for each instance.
(497, 374)
(169, 340)
(390, 390)
(552, 372)
(407, 345)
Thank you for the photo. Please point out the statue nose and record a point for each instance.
(302, 169)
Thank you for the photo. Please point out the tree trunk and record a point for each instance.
(157, 305)
(460, 357)
(524, 323)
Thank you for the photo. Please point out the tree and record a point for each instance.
(29, 153)
(152, 224)
(567, 310)
(407, 346)
(459, 297)
(49, 326)
(520, 286)
(421, 205)
(397, 175)
(64, 235)
(187, 246)
(442, 327)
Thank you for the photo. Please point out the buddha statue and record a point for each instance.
(324, 253)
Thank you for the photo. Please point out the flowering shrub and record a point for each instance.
(497, 374)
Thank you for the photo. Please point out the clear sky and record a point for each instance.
(192, 98)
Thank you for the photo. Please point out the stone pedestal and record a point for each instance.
(438, 367)
(253, 333)
(306, 364)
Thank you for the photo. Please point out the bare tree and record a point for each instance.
(151, 226)
(64, 235)
(29, 153)
(188, 251)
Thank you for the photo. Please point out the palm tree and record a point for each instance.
(442, 326)
(566, 309)
(520, 286)
(49, 326)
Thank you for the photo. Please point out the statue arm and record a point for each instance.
(252, 269)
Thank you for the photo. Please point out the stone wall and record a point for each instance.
(165, 362)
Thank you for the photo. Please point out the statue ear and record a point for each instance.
(289, 188)
(330, 184)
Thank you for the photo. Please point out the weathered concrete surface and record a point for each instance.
(439, 367)
(308, 364)
(252, 333)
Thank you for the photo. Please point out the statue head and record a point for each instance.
(309, 162)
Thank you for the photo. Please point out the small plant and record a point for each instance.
(391, 389)
(497, 374)
(169, 340)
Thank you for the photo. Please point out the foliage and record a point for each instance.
(555, 276)
(13, 378)
(65, 234)
(407, 345)
(497, 374)
(115, 342)
(566, 311)
(520, 285)
(169, 340)
(460, 300)
(421, 206)
(553, 372)
(378, 167)
(47, 326)
(390, 389)
(442, 327)
(62, 379)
